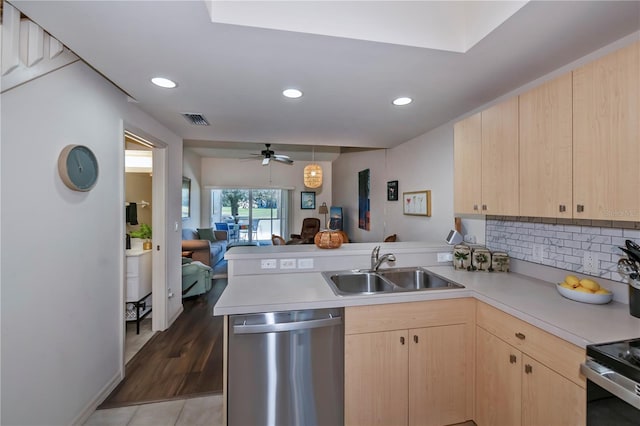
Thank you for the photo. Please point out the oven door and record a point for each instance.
(612, 399)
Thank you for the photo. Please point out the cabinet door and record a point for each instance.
(498, 381)
(606, 152)
(545, 150)
(550, 399)
(467, 163)
(376, 370)
(500, 158)
(439, 375)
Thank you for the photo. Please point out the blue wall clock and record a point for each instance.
(78, 167)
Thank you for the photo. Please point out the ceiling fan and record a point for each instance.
(268, 155)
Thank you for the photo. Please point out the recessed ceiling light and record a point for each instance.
(292, 93)
(163, 82)
(402, 101)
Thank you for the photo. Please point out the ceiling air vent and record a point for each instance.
(197, 119)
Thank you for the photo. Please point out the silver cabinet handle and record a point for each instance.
(287, 326)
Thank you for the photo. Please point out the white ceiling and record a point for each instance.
(444, 25)
(234, 74)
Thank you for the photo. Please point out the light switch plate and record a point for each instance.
(305, 263)
(287, 264)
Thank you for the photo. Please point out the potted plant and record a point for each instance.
(145, 233)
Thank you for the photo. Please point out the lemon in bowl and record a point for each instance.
(586, 291)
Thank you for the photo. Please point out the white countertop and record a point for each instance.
(136, 252)
(534, 301)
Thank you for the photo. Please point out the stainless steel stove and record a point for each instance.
(613, 383)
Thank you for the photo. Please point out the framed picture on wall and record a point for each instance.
(307, 200)
(417, 203)
(392, 190)
(186, 197)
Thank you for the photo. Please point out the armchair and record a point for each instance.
(310, 227)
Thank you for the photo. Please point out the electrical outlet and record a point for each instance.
(537, 253)
(590, 263)
(287, 264)
(268, 264)
(445, 257)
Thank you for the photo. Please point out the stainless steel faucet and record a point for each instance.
(376, 259)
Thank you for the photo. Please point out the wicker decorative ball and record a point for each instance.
(328, 239)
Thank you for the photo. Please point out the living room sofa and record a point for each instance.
(204, 250)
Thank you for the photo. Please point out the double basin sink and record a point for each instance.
(346, 283)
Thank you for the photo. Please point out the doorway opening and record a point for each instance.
(139, 263)
(144, 287)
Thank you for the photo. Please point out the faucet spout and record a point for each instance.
(374, 256)
(377, 260)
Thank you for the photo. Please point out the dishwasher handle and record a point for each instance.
(286, 326)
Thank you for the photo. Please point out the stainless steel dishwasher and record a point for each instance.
(286, 368)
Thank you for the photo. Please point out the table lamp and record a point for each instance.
(324, 210)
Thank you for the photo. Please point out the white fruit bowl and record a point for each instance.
(578, 296)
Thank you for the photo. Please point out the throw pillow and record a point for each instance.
(207, 234)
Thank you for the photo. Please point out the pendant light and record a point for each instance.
(313, 173)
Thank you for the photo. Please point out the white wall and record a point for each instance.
(423, 163)
(345, 193)
(233, 173)
(63, 251)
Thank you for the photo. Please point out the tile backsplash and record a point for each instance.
(563, 244)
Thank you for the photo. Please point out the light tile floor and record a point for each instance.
(206, 410)
(134, 342)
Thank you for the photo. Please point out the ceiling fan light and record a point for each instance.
(312, 176)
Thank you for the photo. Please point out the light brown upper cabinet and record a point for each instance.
(606, 137)
(467, 153)
(486, 161)
(545, 150)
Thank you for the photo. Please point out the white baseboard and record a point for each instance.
(175, 317)
(102, 395)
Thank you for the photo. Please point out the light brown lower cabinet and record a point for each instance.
(513, 387)
(409, 376)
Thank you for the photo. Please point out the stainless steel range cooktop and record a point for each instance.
(622, 356)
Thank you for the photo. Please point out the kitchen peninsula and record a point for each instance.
(490, 309)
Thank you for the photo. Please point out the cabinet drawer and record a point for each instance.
(554, 352)
(399, 316)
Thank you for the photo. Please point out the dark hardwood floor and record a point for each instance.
(182, 361)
